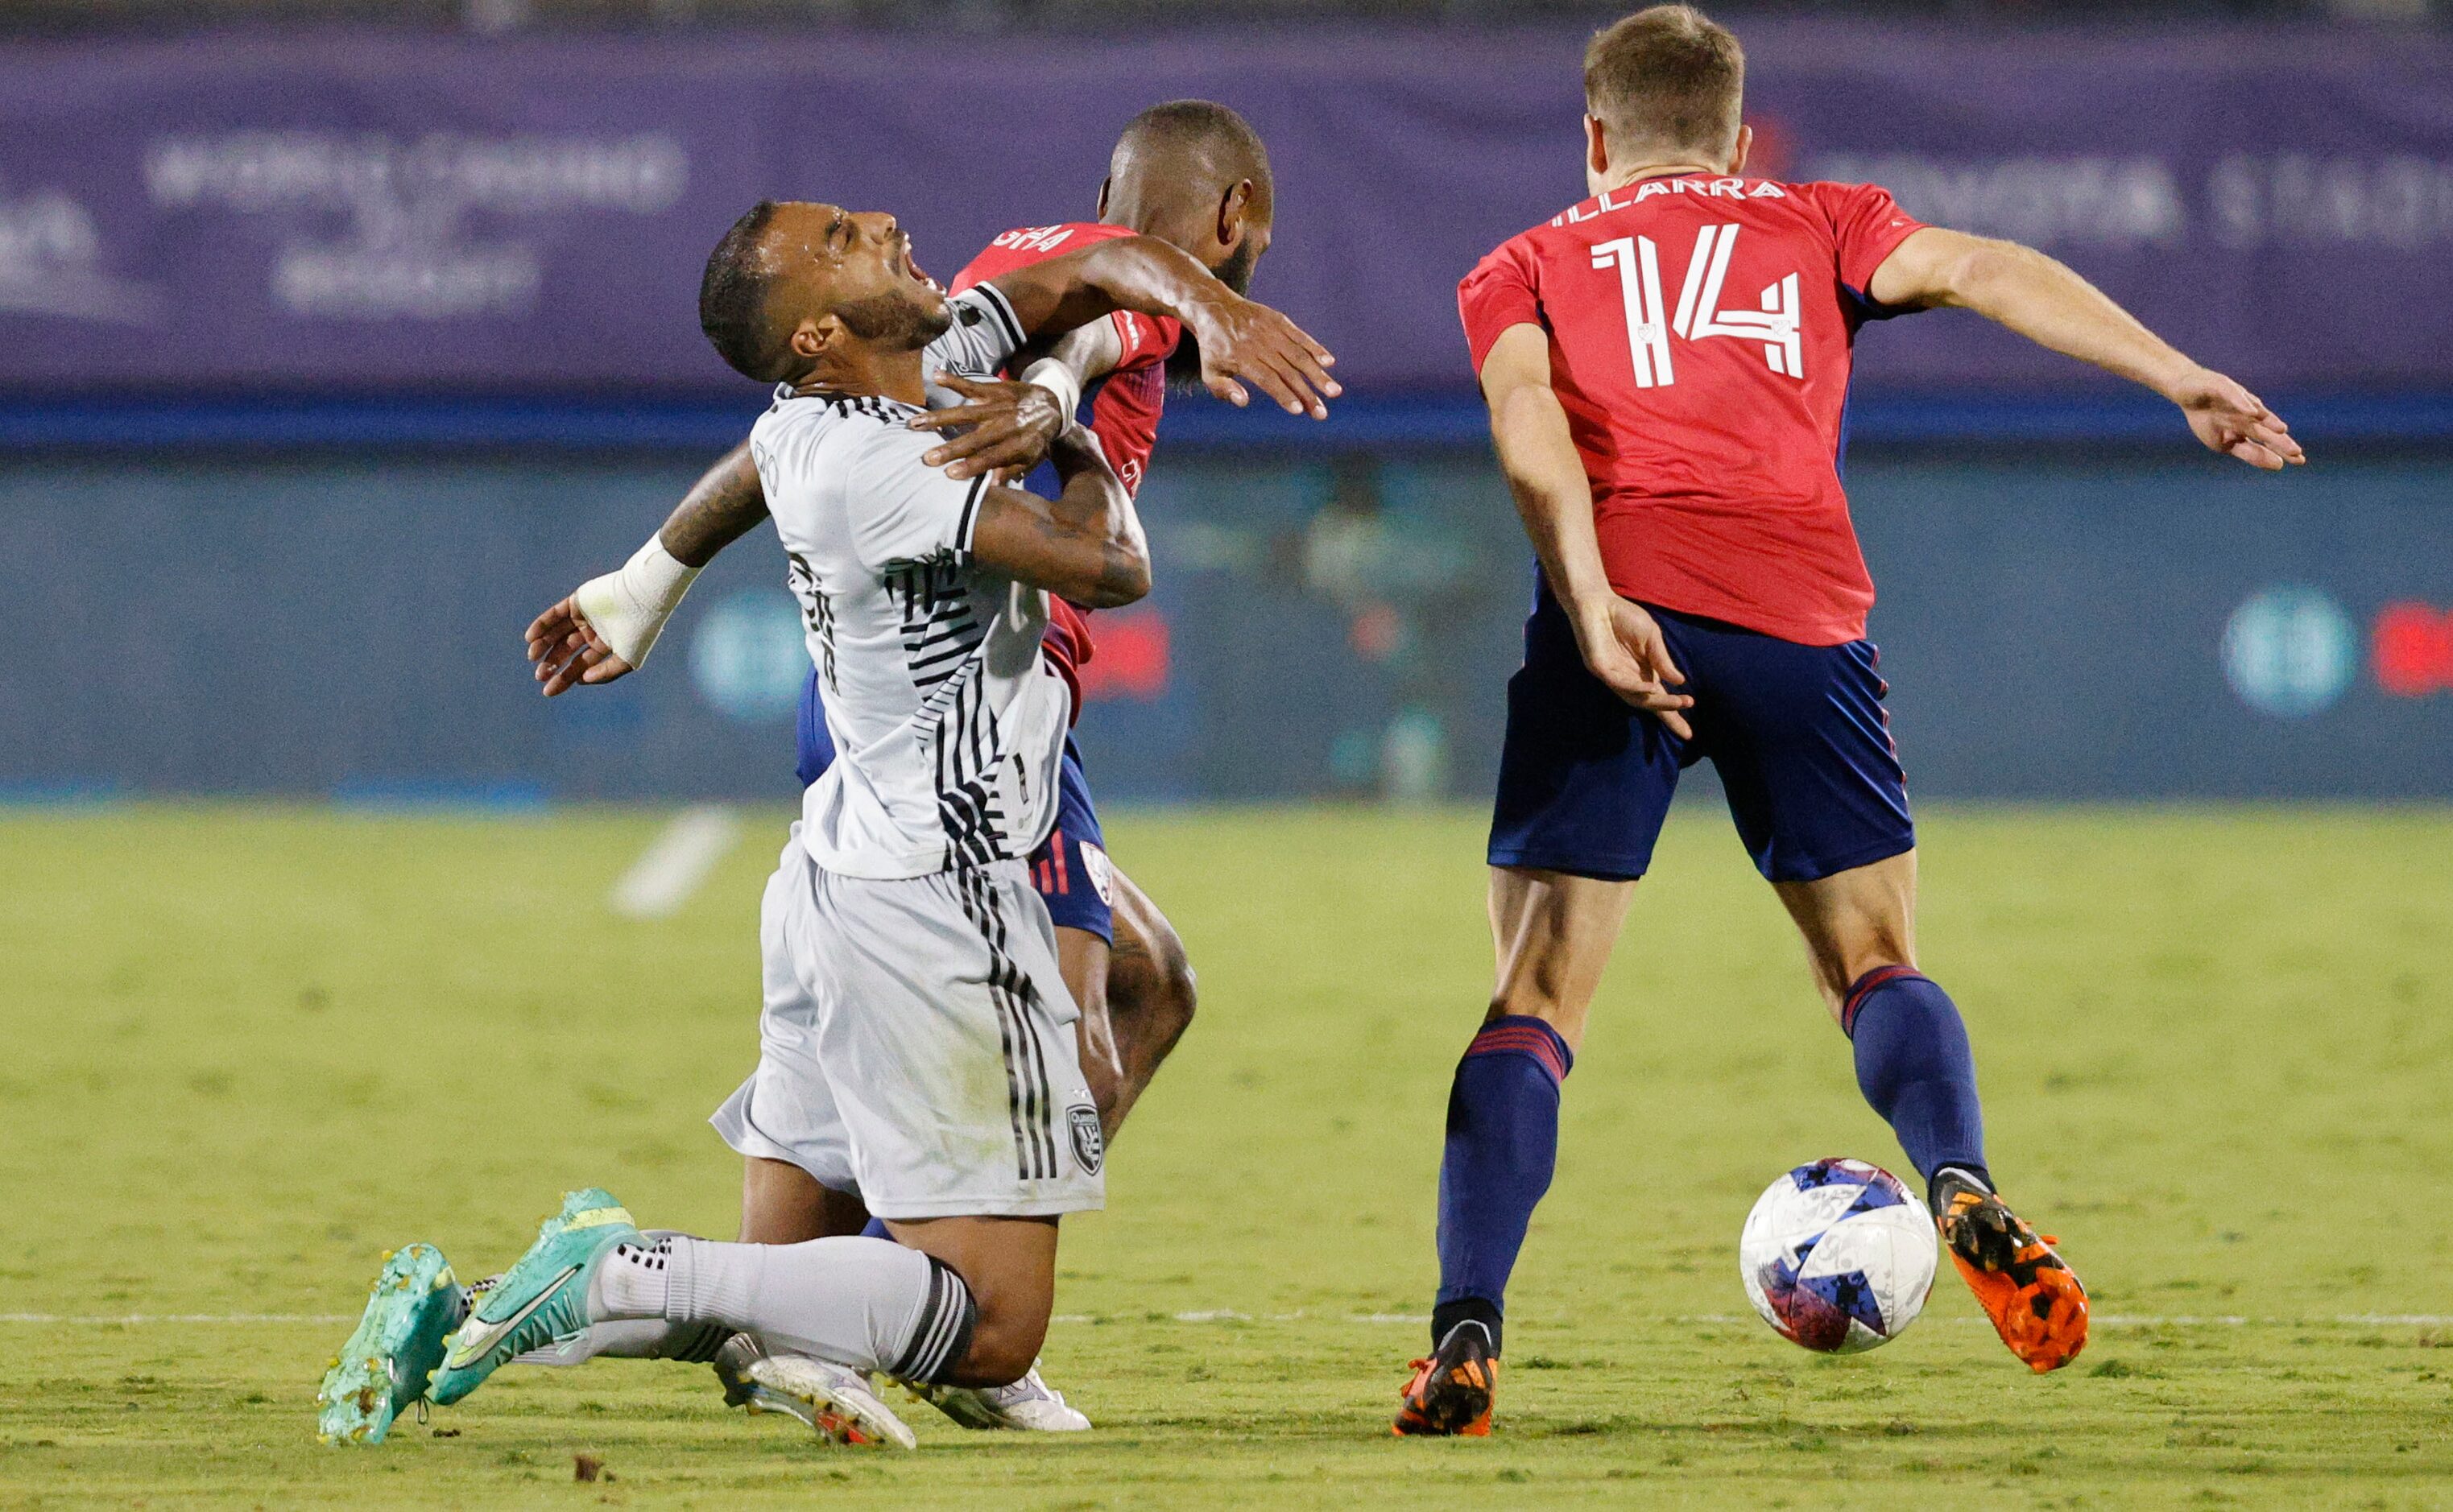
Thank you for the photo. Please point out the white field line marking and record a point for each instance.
(2348, 1320)
(676, 863)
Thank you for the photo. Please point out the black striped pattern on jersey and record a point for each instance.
(877, 406)
(941, 638)
(1025, 1061)
(817, 612)
(968, 806)
(994, 299)
(940, 632)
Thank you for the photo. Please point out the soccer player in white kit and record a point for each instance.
(917, 1043)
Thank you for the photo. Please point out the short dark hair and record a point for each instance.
(1666, 78)
(733, 299)
(1218, 134)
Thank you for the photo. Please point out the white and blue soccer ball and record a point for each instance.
(1838, 1256)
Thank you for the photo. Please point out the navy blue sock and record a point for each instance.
(875, 1229)
(1915, 1068)
(1503, 1145)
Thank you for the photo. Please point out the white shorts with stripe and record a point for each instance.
(918, 1045)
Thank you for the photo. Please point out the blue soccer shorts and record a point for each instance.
(1797, 733)
(1070, 868)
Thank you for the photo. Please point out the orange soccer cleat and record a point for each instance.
(2034, 1299)
(1451, 1392)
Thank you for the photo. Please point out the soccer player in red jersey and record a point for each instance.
(1666, 365)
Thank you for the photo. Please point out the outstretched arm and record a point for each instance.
(1621, 643)
(1086, 545)
(604, 631)
(2045, 301)
(1237, 338)
(726, 503)
(605, 628)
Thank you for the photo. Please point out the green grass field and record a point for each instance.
(249, 1048)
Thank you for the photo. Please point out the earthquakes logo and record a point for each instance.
(373, 227)
(1090, 1147)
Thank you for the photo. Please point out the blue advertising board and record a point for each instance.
(2084, 626)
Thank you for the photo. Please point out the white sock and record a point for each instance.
(632, 1284)
(866, 1304)
(633, 1338)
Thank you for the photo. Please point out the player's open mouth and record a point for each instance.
(912, 269)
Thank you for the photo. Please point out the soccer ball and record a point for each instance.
(1838, 1256)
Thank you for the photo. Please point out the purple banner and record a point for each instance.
(347, 214)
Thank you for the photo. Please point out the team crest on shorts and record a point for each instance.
(1090, 1147)
(1103, 873)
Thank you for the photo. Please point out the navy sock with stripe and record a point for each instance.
(1916, 1069)
(1503, 1146)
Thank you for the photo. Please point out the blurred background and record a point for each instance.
(338, 338)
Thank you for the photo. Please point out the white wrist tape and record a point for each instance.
(1059, 380)
(629, 608)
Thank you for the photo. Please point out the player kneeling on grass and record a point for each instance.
(919, 1060)
(1666, 366)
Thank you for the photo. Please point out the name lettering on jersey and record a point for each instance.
(1618, 199)
(1034, 238)
(1698, 316)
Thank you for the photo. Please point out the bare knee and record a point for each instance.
(1173, 992)
(1005, 1344)
(1009, 1267)
(1151, 984)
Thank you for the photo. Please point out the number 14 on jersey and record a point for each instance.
(1651, 323)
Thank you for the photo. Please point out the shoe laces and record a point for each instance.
(1029, 1388)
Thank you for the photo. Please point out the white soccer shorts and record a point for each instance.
(918, 1045)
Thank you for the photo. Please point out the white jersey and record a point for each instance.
(948, 726)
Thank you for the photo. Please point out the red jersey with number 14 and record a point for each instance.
(1124, 406)
(1700, 328)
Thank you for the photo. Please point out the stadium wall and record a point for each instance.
(326, 356)
(320, 215)
(2094, 624)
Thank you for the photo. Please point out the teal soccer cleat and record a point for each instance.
(384, 1368)
(541, 1299)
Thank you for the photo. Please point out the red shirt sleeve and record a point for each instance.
(1147, 339)
(1497, 294)
(1867, 225)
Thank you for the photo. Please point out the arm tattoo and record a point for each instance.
(722, 508)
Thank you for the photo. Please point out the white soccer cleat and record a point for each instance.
(1029, 1404)
(834, 1400)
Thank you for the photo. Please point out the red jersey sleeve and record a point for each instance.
(1147, 339)
(1497, 294)
(1866, 225)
